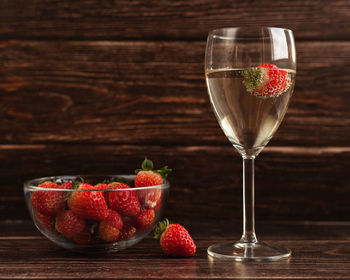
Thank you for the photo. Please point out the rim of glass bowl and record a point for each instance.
(213, 31)
(32, 185)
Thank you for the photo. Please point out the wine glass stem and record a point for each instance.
(248, 235)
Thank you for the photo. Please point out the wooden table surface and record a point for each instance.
(320, 251)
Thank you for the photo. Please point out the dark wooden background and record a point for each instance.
(95, 86)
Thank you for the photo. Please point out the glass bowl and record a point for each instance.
(103, 218)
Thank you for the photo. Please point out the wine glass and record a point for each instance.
(250, 74)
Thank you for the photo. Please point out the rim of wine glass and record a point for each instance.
(213, 31)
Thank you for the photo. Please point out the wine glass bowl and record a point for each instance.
(250, 75)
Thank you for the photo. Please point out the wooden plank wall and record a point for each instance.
(94, 86)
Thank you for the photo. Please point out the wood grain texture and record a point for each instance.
(170, 20)
(315, 256)
(153, 93)
(291, 183)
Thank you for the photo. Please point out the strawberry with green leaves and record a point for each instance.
(174, 239)
(87, 203)
(146, 177)
(266, 80)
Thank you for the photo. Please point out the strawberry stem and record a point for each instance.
(147, 165)
(252, 78)
(164, 171)
(161, 227)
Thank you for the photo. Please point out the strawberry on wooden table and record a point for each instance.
(174, 239)
(124, 202)
(146, 177)
(266, 80)
(68, 224)
(87, 203)
(46, 202)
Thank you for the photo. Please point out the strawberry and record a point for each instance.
(84, 237)
(101, 186)
(46, 221)
(67, 185)
(266, 80)
(144, 219)
(109, 228)
(111, 185)
(174, 239)
(88, 204)
(147, 177)
(49, 203)
(126, 232)
(124, 202)
(68, 224)
(158, 206)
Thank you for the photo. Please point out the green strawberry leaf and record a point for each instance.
(109, 180)
(161, 227)
(77, 182)
(120, 180)
(147, 165)
(252, 78)
(164, 171)
(67, 196)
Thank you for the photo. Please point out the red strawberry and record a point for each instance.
(126, 232)
(109, 228)
(128, 221)
(124, 202)
(101, 187)
(88, 204)
(67, 185)
(49, 203)
(68, 224)
(84, 237)
(46, 221)
(266, 80)
(144, 219)
(175, 239)
(158, 206)
(146, 177)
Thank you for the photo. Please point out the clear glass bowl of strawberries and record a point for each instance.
(98, 213)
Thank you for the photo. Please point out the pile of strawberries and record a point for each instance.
(96, 213)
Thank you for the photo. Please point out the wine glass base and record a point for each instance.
(240, 251)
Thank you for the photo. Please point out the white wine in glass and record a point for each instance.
(250, 75)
